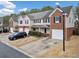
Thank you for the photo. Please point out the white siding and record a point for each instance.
(26, 18)
(70, 19)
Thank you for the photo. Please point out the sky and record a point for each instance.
(9, 7)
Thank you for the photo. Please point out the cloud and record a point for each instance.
(8, 8)
(5, 11)
(57, 3)
(8, 4)
(24, 9)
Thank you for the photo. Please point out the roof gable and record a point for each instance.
(63, 9)
(55, 11)
(14, 18)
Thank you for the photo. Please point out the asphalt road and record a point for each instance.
(8, 52)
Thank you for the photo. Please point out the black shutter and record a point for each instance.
(54, 19)
(60, 20)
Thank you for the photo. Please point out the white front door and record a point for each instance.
(57, 34)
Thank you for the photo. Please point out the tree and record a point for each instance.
(6, 21)
(46, 8)
(34, 10)
(22, 13)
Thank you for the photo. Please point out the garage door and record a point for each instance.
(20, 29)
(27, 30)
(57, 34)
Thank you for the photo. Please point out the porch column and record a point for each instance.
(39, 29)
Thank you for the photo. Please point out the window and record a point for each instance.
(27, 21)
(37, 21)
(48, 20)
(69, 20)
(45, 20)
(0, 22)
(57, 19)
(21, 22)
(34, 21)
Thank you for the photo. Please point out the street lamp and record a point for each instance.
(64, 15)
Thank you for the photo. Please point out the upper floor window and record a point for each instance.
(21, 22)
(70, 20)
(57, 19)
(48, 20)
(27, 21)
(37, 21)
(45, 20)
(0, 22)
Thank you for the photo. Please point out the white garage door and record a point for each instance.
(26, 30)
(57, 34)
(20, 29)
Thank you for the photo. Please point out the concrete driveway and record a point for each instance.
(8, 52)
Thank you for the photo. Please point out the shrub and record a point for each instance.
(35, 33)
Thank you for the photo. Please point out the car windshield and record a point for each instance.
(15, 33)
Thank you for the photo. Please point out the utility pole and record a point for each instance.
(64, 15)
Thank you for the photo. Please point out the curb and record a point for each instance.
(18, 49)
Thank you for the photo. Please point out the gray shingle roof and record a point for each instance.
(66, 9)
(45, 14)
(15, 18)
(39, 15)
(1, 19)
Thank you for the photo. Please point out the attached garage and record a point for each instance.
(20, 29)
(27, 30)
(57, 34)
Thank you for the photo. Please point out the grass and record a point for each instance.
(72, 49)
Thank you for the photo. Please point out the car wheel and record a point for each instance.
(14, 38)
(24, 36)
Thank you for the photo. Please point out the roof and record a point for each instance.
(66, 9)
(1, 19)
(39, 15)
(44, 14)
(15, 18)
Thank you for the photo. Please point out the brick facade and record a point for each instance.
(68, 31)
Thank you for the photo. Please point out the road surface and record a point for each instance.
(8, 52)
